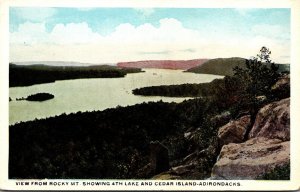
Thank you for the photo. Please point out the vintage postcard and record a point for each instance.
(149, 95)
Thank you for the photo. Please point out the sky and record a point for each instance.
(110, 35)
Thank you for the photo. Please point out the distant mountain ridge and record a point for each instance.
(59, 63)
(224, 66)
(164, 64)
(218, 66)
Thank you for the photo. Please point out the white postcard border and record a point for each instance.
(293, 184)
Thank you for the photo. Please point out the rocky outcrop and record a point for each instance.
(251, 159)
(250, 147)
(273, 121)
(234, 131)
(268, 145)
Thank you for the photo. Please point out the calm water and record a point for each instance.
(95, 94)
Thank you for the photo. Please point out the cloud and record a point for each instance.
(30, 33)
(145, 12)
(34, 14)
(73, 33)
(170, 40)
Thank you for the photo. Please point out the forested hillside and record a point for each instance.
(25, 75)
(225, 66)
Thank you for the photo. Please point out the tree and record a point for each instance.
(259, 75)
(256, 79)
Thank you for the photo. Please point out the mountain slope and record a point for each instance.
(164, 64)
(219, 66)
(224, 66)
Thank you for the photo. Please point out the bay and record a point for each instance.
(96, 94)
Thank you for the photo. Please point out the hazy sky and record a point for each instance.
(109, 35)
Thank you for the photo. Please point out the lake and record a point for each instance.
(95, 94)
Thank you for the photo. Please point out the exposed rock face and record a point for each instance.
(250, 159)
(159, 157)
(234, 131)
(273, 121)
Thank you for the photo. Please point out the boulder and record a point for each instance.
(273, 121)
(234, 131)
(250, 159)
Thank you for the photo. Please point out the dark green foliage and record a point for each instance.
(256, 80)
(278, 173)
(209, 157)
(21, 75)
(177, 146)
(109, 144)
(183, 90)
(40, 97)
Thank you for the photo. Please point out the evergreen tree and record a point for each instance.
(256, 80)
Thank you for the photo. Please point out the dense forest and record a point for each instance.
(183, 90)
(110, 144)
(115, 143)
(37, 74)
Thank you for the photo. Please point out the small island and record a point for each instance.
(40, 97)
